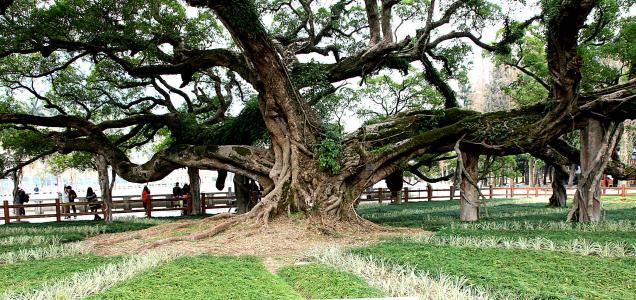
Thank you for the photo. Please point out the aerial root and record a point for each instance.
(230, 220)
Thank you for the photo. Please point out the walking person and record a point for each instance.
(91, 197)
(71, 198)
(145, 197)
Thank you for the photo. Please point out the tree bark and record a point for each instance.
(571, 175)
(242, 190)
(195, 190)
(16, 177)
(469, 199)
(531, 172)
(559, 192)
(598, 142)
(101, 164)
(373, 18)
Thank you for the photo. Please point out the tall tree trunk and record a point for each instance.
(559, 192)
(101, 164)
(469, 199)
(531, 172)
(571, 175)
(242, 189)
(598, 142)
(16, 177)
(195, 190)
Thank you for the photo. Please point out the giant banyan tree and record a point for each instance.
(104, 72)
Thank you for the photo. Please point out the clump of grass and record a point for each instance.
(83, 284)
(316, 281)
(578, 246)
(617, 225)
(398, 280)
(50, 251)
(31, 240)
(39, 230)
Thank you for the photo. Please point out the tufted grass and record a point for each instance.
(318, 281)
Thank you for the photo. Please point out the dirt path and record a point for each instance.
(281, 243)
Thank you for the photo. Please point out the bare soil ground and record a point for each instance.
(281, 242)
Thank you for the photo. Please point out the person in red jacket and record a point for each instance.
(145, 197)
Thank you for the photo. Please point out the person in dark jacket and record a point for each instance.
(92, 197)
(177, 192)
(71, 198)
(21, 199)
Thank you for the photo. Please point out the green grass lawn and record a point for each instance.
(316, 281)
(526, 273)
(28, 274)
(204, 277)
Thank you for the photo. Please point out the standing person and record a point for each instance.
(186, 197)
(65, 200)
(145, 197)
(177, 192)
(21, 198)
(186, 189)
(92, 197)
(71, 198)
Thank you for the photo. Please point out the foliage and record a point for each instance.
(316, 281)
(329, 148)
(81, 161)
(204, 277)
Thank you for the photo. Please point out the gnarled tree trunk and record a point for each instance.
(469, 197)
(104, 185)
(242, 190)
(598, 142)
(559, 192)
(195, 190)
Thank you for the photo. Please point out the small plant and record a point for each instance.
(329, 149)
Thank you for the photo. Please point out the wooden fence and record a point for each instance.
(381, 195)
(54, 208)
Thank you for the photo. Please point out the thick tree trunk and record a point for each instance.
(571, 175)
(531, 172)
(16, 177)
(559, 192)
(195, 190)
(242, 190)
(104, 185)
(598, 142)
(469, 199)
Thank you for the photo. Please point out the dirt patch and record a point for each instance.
(282, 242)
